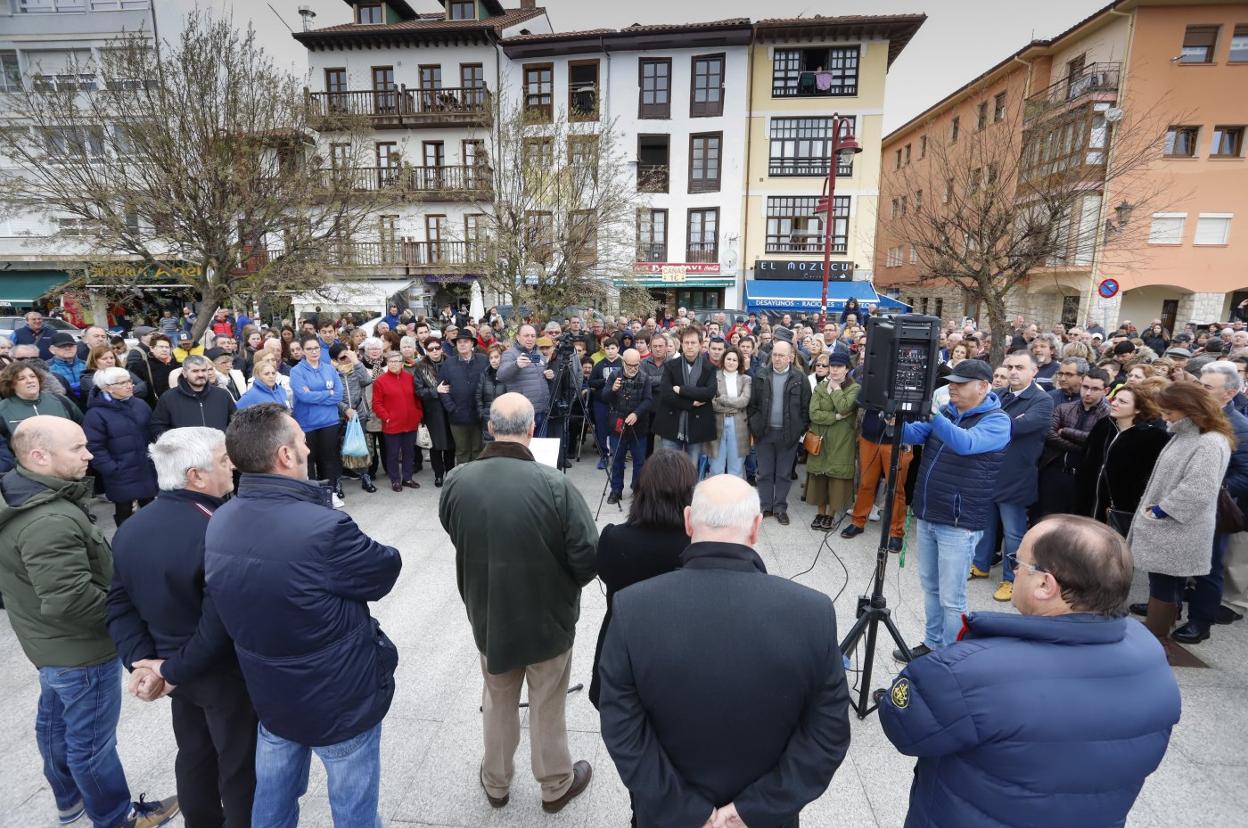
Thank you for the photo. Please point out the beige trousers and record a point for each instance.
(548, 730)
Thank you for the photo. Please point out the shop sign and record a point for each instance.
(676, 271)
(802, 270)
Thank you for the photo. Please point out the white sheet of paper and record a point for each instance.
(545, 450)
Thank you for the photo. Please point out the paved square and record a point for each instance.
(432, 736)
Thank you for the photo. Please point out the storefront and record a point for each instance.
(356, 296)
(675, 285)
(22, 290)
(790, 296)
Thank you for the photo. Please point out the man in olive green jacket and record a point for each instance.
(525, 544)
(55, 571)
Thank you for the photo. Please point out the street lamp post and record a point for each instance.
(840, 147)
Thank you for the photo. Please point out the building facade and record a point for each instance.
(1155, 244)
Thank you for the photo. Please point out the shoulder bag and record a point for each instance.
(813, 443)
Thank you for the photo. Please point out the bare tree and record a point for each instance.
(198, 152)
(1022, 197)
(560, 222)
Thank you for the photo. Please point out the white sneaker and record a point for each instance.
(875, 514)
(338, 502)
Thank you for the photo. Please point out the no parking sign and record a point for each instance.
(1107, 289)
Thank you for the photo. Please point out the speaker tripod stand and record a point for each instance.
(873, 609)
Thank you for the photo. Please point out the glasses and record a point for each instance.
(122, 382)
(1014, 563)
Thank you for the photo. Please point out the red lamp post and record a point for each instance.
(842, 146)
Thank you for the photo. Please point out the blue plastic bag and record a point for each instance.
(353, 442)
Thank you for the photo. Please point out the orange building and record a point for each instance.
(1183, 65)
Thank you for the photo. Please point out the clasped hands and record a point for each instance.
(725, 817)
(146, 681)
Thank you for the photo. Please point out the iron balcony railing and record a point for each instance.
(1095, 79)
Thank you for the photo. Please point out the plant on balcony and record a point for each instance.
(1026, 199)
(212, 165)
(560, 222)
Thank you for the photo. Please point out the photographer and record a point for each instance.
(523, 371)
(628, 399)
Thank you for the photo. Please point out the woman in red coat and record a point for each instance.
(395, 403)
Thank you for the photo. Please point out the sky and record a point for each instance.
(960, 39)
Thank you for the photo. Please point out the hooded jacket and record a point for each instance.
(317, 406)
(55, 570)
(182, 406)
(259, 394)
(117, 439)
(14, 409)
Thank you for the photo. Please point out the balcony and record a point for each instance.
(702, 253)
(415, 256)
(652, 178)
(403, 108)
(803, 244)
(651, 252)
(445, 183)
(807, 167)
(1097, 82)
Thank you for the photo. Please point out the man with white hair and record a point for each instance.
(732, 721)
(169, 634)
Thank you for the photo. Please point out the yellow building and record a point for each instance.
(802, 72)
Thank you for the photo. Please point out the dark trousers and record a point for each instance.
(1057, 492)
(400, 456)
(467, 442)
(442, 461)
(1207, 594)
(602, 427)
(324, 459)
(376, 448)
(214, 725)
(124, 509)
(1167, 588)
(775, 464)
(621, 445)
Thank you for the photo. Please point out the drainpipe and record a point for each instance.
(749, 145)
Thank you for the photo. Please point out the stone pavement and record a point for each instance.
(431, 738)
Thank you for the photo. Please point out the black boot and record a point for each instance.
(366, 483)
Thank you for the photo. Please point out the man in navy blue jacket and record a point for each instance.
(291, 579)
(1030, 410)
(168, 632)
(1054, 717)
(963, 451)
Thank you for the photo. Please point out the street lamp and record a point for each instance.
(843, 147)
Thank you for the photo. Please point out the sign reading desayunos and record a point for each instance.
(802, 270)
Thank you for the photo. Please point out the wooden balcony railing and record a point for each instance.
(400, 106)
(702, 252)
(405, 253)
(448, 182)
(656, 252)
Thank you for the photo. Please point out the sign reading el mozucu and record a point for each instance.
(802, 271)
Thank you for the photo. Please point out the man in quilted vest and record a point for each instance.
(963, 451)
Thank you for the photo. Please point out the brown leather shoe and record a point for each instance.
(495, 801)
(581, 774)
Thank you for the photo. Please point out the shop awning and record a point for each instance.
(793, 295)
(361, 294)
(25, 287)
(652, 281)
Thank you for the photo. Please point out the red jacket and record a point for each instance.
(395, 402)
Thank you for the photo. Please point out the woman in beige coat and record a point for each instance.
(732, 434)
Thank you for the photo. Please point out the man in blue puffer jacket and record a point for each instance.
(1051, 718)
(291, 580)
(963, 452)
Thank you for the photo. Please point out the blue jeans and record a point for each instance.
(726, 460)
(945, 554)
(1207, 596)
(76, 730)
(627, 443)
(1013, 525)
(694, 450)
(353, 769)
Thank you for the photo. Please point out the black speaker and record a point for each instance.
(899, 372)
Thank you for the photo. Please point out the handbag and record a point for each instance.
(354, 443)
(1230, 518)
(423, 438)
(813, 443)
(1119, 520)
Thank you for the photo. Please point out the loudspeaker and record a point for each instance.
(899, 372)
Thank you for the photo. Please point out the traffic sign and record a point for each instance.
(1108, 288)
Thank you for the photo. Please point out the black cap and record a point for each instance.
(1124, 348)
(969, 370)
(839, 358)
(465, 334)
(214, 353)
(62, 338)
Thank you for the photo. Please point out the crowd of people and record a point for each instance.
(1086, 456)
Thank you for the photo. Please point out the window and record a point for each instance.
(992, 172)
(1198, 44)
(388, 230)
(702, 236)
(434, 153)
(582, 90)
(654, 82)
(62, 142)
(897, 160)
(977, 175)
(1213, 228)
(998, 108)
(818, 71)
(582, 237)
(539, 234)
(894, 257)
(896, 205)
(1239, 44)
(369, 13)
(10, 71)
(793, 226)
(1181, 141)
(652, 235)
(472, 80)
(914, 255)
(430, 77)
(981, 118)
(653, 158)
(387, 155)
(340, 156)
(922, 147)
(940, 307)
(918, 200)
(1228, 141)
(948, 197)
(539, 153)
(799, 146)
(955, 126)
(1167, 228)
(461, 10)
(539, 92)
(435, 229)
(385, 95)
(905, 156)
(705, 162)
(706, 92)
(474, 236)
(76, 226)
(583, 158)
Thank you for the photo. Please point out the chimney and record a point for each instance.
(528, 4)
